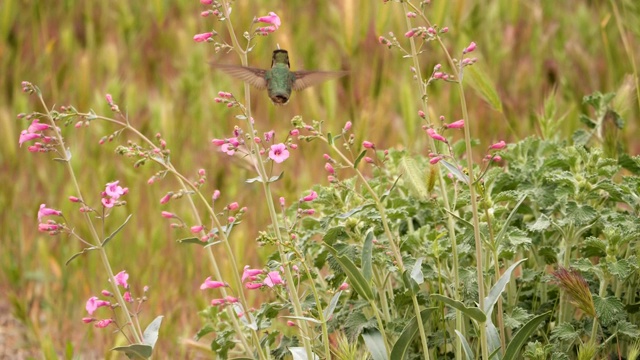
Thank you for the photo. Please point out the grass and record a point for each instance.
(143, 54)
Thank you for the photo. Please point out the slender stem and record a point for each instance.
(92, 229)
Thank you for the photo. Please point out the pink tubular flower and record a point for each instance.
(233, 206)
(252, 285)
(165, 199)
(411, 15)
(421, 114)
(435, 160)
(103, 323)
(409, 33)
(36, 126)
(44, 211)
(228, 148)
(216, 194)
(273, 278)
(497, 146)
(347, 126)
(109, 99)
(196, 229)
(27, 136)
(168, 215)
(218, 142)
(470, 48)
(497, 158)
(344, 286)
(127, 297)
(48, 227)
(94, 303)
(278, 153)
(121, 279)
(311, 197)
(368, 145)
(435, 136)
(202, 37)
(281, 201)
(88, 320)
(231, 300)
(206, 2)
(294, 132)
(329, 168)
(217, 302)
(114, 190)
(455, 125)
(290, 323)
(211, 284)
(250, 274)
(74, 199)
(269, 135)
(272, 19)
(108, 202)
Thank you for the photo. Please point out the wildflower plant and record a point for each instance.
(525, 249)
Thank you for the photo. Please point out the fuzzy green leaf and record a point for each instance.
(414, 177)
(359, 283)
(522, 336)
(472, 312)
(135, 351)
(359, 158)
(498, 288)
(367, 256)
(608, 309)
(409, 332)
(110, 237)
(375, 344)
(150, 335)
(465, 345)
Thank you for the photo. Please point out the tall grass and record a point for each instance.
(143, 54)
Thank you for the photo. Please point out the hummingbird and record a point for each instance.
(279, 80)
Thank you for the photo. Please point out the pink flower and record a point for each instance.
(250, 274)
(278, 153)
(497, 158)
(435, 160)
(344, 286)
(168, 215)
(231, 300)
(252, 285)
(88, 320)
(272, 19)
(216, 195)
(206, 2)
(435, 136)
(455, 125)
(106, 293)
(165, 199)
(233, 206)
(269, 135)
(196, 229)
(109, 99)
(411, 15)
(94, 303)
(44, 211)
(470, 48)
(74, 199)
(409, 33)
(228, 148)
(36, 126)
(347, 126)
(108, 202)
(311, 196)
(290, 323)
(114, 190)
(121, 279)
(27, 136)
(294, 132)
(329, 168)
(282, 201)
(127, 297)
(218, 142)
(497, 146)
(48, 227)
(273, 278)
(421, 114)
(216, 302)
(211, 284)
(202, 37)
(103, 323)
(368, 145)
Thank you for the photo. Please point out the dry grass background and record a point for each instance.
(142, 53)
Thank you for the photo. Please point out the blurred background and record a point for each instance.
(143, 53)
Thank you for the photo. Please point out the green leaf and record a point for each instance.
(150, 335)
(498, 288)
(192, 240)
(328, 311)
(304, 318)
(503, 231)
(135, 351)
(252, 180)
(630, 163)
(299, 353)
(481, 82)
(455, 171)
(354, 211)
(359, 283)
(542, 223)
(329, 139)
(416, 272)
(472, 312)
(359, 158)
(367, 254)
(375, 344)
(608, 308)
(105, 241)
(414, 178)
(85, 250)
(401, 347)
(276, 178)
(521, 337)
(465, 345)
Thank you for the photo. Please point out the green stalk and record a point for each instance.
(92, 229)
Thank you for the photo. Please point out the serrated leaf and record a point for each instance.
(333, 234)
(150, 335)
(607, 308)
(207, 329)
(105, 241)
(498, 288)
(580, 137)
(367, 256)
(135, 351)
(520, 338)
(481, 83)
(401, 347)
(465, 346)
(85, 250)
(455, 171)
(472, 312)
(541, 224)
(375, 344)
(413, 177)
(359, 158)
(358, 282)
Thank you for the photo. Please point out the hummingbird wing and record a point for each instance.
(252, 76)
(304, 79)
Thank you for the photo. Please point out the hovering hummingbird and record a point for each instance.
(279, 80)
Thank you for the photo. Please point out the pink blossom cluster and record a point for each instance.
(33, 132)
(112, 193)
(50, 226)
(270, 279)
(273, 19)
(94, 303)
